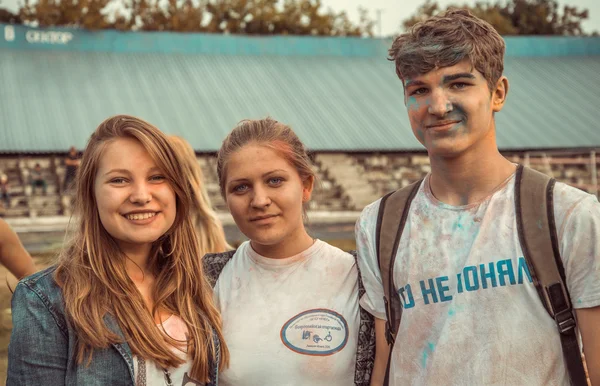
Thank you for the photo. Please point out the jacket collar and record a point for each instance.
(123, 348)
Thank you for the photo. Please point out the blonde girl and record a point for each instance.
(127, 303)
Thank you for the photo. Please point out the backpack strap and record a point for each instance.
(213, 264)
(534, 203)
(365, 352)
(391, 218)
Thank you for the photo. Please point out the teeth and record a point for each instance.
(140, 216)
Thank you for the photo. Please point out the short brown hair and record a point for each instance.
(445, 40)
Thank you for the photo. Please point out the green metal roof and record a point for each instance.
(337, 93)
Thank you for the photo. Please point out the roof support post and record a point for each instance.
(594, 171)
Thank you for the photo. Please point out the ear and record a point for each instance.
(499, 94)
(307, 188)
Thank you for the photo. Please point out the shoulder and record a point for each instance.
(333, 258)
(213, 258)
(332, 249)
(572, 203)
(40, 294)
(368, 218)
(370, 210)
(42, 281)
(43, 285)
(335, 253)
(213, 264)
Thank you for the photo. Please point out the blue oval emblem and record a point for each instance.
(315, 332)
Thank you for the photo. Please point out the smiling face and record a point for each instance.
(451, 109)
(136, 203)
(265, 195)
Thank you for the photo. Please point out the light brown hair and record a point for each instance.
(447, 39)
(91, 269)
(210, 231)
(272, 134)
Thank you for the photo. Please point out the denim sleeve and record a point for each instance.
(38, 349)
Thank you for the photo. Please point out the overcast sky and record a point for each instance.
(394, 11)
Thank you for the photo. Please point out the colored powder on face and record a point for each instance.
(412, 104)
(420, 134)
(458, 112)
(286, 152)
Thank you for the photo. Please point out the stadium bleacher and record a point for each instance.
(345, 181)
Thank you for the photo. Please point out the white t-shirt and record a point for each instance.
(147, 373)
(472, 315)
(292, 321)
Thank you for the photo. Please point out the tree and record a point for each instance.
(517, 17)
(255, 17)
(8, 17)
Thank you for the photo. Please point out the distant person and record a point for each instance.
(4, 190)
(12, 253)
(37, 179)
(127, 303)
(477, 302)
(72, 161)
(289, 301)
(210, 230)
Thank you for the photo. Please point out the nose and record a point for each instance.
(141, 194)
(439, 104)
(261, 198)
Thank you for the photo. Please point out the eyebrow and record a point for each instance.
(450, 78)
(125, 171)
(263, 176)
(410, 83)
(445, 79)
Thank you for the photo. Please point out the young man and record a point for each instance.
(471, 314)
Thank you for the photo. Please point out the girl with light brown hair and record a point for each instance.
(289, 302)
(127, 303)
(210, 230)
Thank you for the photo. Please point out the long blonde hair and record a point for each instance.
(91, 269)
(210, 230)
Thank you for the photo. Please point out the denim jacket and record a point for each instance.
(42, 344)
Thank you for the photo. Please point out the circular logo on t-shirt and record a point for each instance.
(315, 332)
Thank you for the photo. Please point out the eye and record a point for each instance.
(275, 181)
(118, 181)
(459, 85)
(241, 188)
(158, 178)
(418, 91)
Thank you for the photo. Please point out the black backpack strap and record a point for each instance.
(391, 218)
(213, 264)
(534, 204)
(365, 353)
